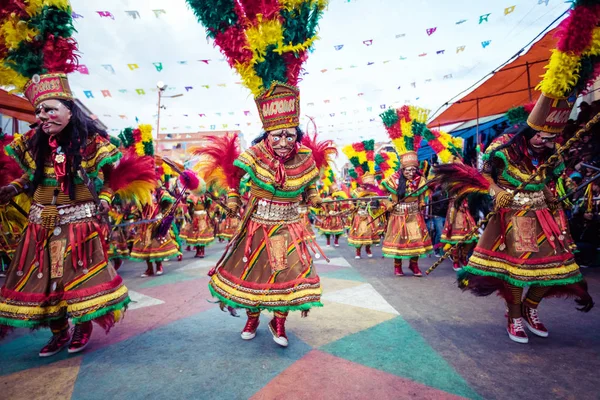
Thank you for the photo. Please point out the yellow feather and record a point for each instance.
(137, 192)
(562, 74)
(146, 130)
(262, 35)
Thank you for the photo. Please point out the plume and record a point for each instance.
(322, 151)
(216, 162)
(134, 179)
(460, 180)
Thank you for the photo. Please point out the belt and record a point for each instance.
(66, 214)
(275, 212)
(533, 200)
(404, 208)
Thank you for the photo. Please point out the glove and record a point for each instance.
(502, 199)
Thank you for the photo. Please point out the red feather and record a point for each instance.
(189, 179)
(322, 151)
(9, 167)
(460, 180)
(132, 169)
(221, 152)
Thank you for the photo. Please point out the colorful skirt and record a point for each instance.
(524, 247)
(269, 267)
(148, 247)
(119, 248)
(406, 235)
(228, 227)
(332, 225)
(200, 232)
(62, 273)
(459, 223)
(363, 231)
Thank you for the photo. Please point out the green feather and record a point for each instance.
(273, 68)
(216, 15)
(53, 21)
(389, 117)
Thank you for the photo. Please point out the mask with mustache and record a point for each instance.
(53, 116)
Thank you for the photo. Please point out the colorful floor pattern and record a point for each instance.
(175, 344)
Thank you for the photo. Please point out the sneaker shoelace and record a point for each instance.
(77, 335)
(533, 316)
(518, 324)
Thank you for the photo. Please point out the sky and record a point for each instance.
(372, 55)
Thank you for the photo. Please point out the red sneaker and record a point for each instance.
(81, 337)
(456, 266)
(515, 330)
(277, 328)
(198, 252)
(57, 342)
(180, 257)
(189, 248)
(249, 331)
(149, 272)
(117, 262)
(533, 323)
(159, 268)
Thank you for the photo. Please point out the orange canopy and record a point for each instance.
(511, 86)
(16, 107)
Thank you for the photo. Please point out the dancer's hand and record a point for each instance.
(6, 193)
(502, 199)
(104, 207)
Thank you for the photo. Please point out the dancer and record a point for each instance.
(523, 246)
(199, 233)
(149, 245)
(333, 213)
(363, 231)
(267, 266)
(406, 235)
(60, 269)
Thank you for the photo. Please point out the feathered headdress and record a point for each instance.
(266, 42)
(135, 177)
(519, 115)
(407, 128)
(36, 48)
(362, 158)
(573, 67)
(445, 145)
(387, 162)
(216, 161)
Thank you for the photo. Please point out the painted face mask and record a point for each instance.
(282, 141)
(53, 115)
(409, 173)
(542, 141)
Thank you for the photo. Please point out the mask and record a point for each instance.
(409, 173)
(53, 115)
(542, 141)
(282, 141)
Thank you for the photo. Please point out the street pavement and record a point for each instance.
(377, 337)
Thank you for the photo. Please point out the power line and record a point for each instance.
(517, 54)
